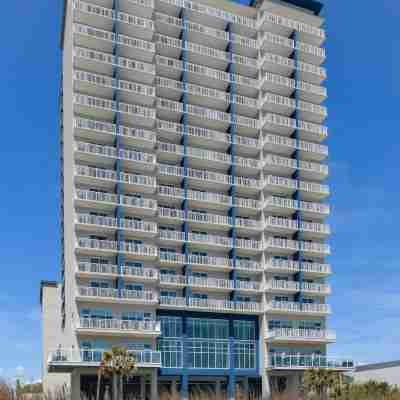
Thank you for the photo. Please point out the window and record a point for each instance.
(167, 293)
(134, 264)
(208, 354)
(202, 296)
(99, 284)
(171, 352)
(203, 275)
(245, 354)
(98, 260)
(308, 301)
(167, 272)
(207, 328)
(199, 254)
(171, 327)
(244, 330)
(281, 298)
(135, 287)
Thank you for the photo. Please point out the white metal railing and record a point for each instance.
(295, 144)
(210, 239)
(282, 202)
(247, 285)
(267, 17)
(296, 266)
(248, 265)
(172, 279)
(291, 224)
(141, 273)
(97, 268)
(112, 129)
(113, 324)
(172, 257)
(94, 357)
(116, 61)
(146, 296)
(296, 307)
(281, 284)
(273, 159)
(306, 361)
(301, 334)
(223, 262)
(172, 235)
(225, 305)
(86, 291)
(317, 288)
(173, 301)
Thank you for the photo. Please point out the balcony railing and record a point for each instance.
(109, 269)
(278, 284)
(225, 305)
(120, 62)
(317, 335)
(97, 268)
(112, 129)
(267, 17)
(124, 200)
(284, 162)
(223, 262)
(290, 224)
(306, 206)
(295, 245)
(145, 326)
(140, 250)
(293, 184)
(173, 301)
(274, 264)
(140, 296)
(307, 361)
(65, 357)
(296, 307)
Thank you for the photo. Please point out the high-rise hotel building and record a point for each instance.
(193, 196)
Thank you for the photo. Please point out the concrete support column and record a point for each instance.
(231, 387)
(75, 385)
(218, 394)
(266, 391)
(173, 387)
(184, 387)
(142, 388)
(293, 384)
(245, 388)
(154, 383)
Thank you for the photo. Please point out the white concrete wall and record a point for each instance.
(390, 375)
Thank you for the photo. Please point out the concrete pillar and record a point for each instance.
(142, 388)
(293, 384)
(245, 388)
(154, 383)
(75, 385)
(266, 390)
(218, 394)
(173, 387)
(231, 387)
(184, 387)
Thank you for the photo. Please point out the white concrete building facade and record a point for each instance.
(193, 195)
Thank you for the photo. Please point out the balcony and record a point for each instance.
(98, 107)
(130, 159)
(284, 46)
(171, 259)
(202, 75)
(285, 86)
(105, 86)
(224, 306)
(108, 202)
(110, 295)
(106, 224)
(104, 63)
(286, 146)
(105, 18)
(282, 286)
(107, 179)
(274, 265)
(288, 206)
(282, 361)
(285, 26)
(65, 360)
(278, 104)
(214, 17)
(199, 136)
(291, 335)
(118, 327)
(286, 66)
(88, 269)
(287, 246)
(210, 179)
(285, 225)
(296, 308)
(106, 132)
(210, 263)
(104, 40)
(173, 302)
(210, 284)
(110, 247)
(248, 266)
(316, 289)
(286, 126)
(309, 190)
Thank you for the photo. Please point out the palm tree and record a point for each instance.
(322, 382)
(118, 364)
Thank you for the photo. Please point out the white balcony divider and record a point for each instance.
(145, 326)
(100, 34)
(267, 17)
(116, 61)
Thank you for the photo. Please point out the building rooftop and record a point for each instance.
(44, 284)
(381, 365)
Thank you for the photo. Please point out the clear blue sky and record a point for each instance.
(364, 87)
